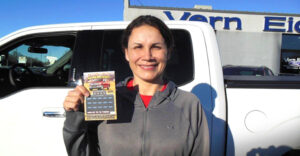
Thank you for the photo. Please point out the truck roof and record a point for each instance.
(83, 26)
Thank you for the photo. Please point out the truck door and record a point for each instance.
(34, 72)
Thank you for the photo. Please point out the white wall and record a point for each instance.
(250, 49)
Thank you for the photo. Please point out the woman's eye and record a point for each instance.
(156, 47)
(137, 47)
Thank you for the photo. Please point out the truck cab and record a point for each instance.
(40, 64)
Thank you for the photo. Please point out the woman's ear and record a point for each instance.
(126, 54)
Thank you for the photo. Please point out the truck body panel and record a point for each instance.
(255, 126)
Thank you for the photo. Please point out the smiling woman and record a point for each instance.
(154, 116)
(147, 55)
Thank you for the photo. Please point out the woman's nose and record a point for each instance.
(147, 54)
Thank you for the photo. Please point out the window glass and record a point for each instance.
(113, 57)
(290, 55)
(38, 61)
(180, 67)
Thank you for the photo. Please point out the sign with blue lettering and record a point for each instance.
(212, 19)
(227, 21)
(277, 24)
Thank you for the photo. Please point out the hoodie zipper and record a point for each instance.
(144, 132)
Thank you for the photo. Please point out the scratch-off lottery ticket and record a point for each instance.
(101, 104)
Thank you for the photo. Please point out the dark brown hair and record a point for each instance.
(151, 21)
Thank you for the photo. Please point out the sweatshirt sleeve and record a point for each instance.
(202, 141)
(80, 137)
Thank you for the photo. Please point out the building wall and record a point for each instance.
(244, 38)
(250, 49)
(235, 21)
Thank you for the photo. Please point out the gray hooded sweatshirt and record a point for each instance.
(173, 124)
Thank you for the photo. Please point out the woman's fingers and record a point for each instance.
(83, 90)
(75, 98)
(68, 106)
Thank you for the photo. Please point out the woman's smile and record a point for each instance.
(147, 54)
(148, 67)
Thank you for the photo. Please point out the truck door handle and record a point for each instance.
(54, 112)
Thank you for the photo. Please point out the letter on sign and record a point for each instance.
(270, 21)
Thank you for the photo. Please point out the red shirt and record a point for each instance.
(145, 98)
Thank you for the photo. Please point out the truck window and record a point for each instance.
(35, 61)
(180, 67)
(290, 55)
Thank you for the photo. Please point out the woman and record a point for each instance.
(154, 116)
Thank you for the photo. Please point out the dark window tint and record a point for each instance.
(35, 61)
(290, 55)
(112, 55)
(180, 68)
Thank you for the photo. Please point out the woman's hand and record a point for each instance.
(75, 98)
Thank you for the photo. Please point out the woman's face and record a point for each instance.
(147, 54)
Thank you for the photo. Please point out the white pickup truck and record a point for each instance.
(39, 65)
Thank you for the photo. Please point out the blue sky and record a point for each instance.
(17, 14)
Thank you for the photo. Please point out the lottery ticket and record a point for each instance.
(101, 104)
